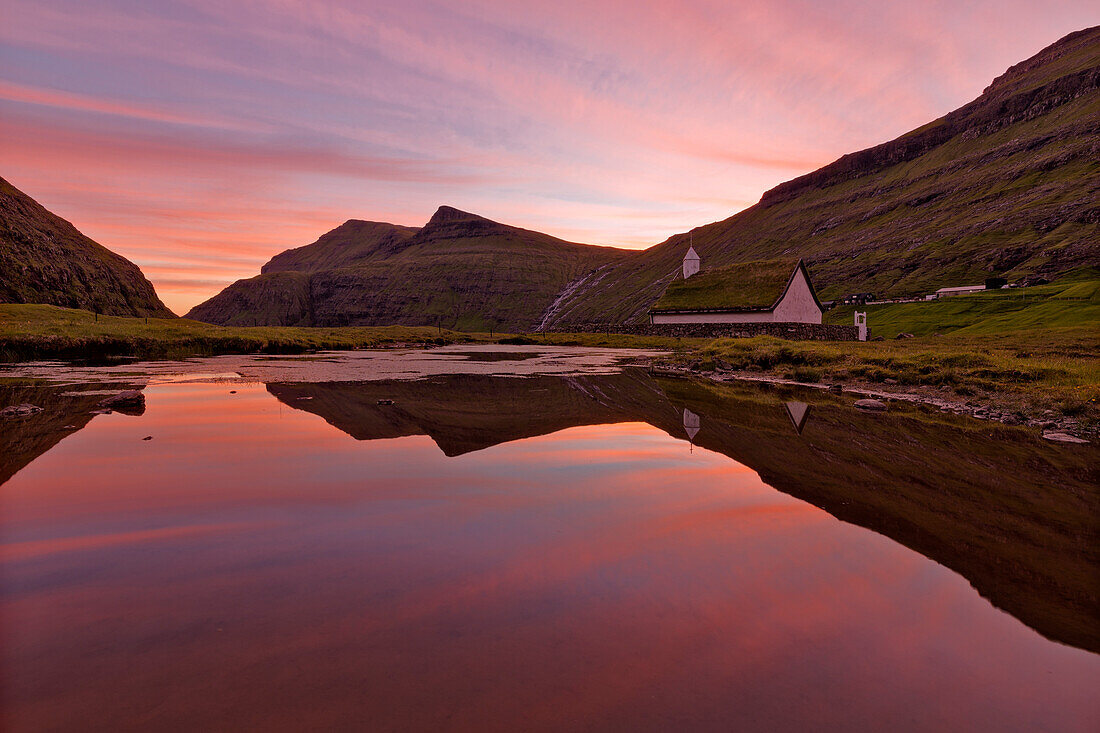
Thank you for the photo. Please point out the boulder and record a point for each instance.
(21, 410)
(871, 405)
(904, 335)
(130, 402)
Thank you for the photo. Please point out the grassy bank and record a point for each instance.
(45, 331)
(1058, 369)
(1038, 368)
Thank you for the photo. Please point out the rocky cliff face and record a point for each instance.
(1008, 185)
(459, 271)
(44, 259)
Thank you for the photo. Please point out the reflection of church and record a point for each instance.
(798, 412)
(691, 425)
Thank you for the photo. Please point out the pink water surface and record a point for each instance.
(253, 568)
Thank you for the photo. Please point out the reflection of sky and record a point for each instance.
(253, 567)
(199, 138)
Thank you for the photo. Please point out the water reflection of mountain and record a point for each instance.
(64, 411)
(472, 412)
(1016, 516)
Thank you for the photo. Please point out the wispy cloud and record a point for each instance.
(232, 130)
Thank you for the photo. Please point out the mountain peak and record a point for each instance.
(451, 215)
(449, 222)
(353, 242)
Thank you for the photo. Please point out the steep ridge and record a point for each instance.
(459, 271)
(45, 259)
(1008, 185)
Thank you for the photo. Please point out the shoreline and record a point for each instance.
(1047, 379)
(1021, 413)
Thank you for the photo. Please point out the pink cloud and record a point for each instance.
(239, 129)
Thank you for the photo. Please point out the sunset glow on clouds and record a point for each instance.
(199, 138)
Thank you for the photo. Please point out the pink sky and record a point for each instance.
(199, 138)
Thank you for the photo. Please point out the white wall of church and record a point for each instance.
(798, 305)
(691, 266)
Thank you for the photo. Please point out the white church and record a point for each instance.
(765, 291)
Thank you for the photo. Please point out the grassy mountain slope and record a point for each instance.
(44, 259)
(353, 242)
(459, 271)
(1007, 185)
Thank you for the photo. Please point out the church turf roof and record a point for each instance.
(745, 286)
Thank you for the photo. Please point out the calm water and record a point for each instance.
(541, 553)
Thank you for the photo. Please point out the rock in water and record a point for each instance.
(21, 410)
(130, 402)
(871, 405)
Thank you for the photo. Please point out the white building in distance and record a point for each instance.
(961, 290)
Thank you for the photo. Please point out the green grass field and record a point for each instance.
(1072, 302)
(46, 331)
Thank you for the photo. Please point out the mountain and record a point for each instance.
(1008, 185)
(460, 271)
(44, 259)
(353, 242)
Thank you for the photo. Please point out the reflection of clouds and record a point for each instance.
(30, 549)
(526, 583)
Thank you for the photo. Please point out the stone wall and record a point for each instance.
(796, 331)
